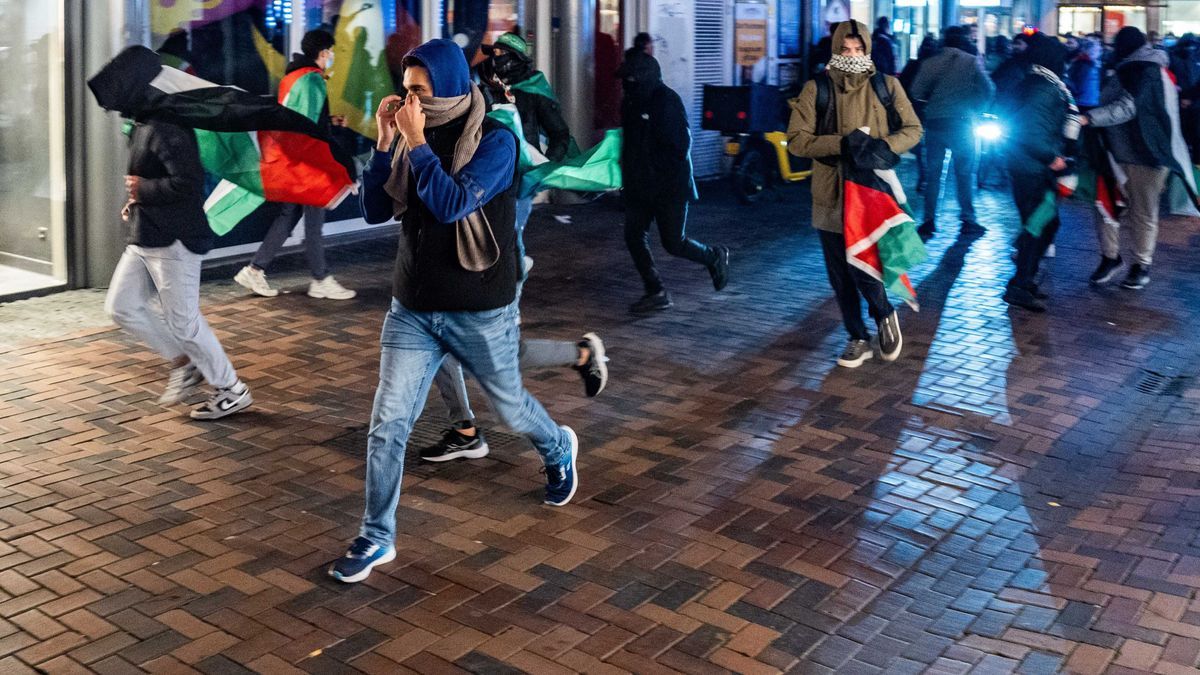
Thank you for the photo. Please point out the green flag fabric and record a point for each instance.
(1042, 215)
(597, 170)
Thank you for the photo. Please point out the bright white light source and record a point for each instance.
(988, 131)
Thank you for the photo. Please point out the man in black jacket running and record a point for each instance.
(657, 168)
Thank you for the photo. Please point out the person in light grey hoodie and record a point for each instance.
(953, 90)
(1139, 112)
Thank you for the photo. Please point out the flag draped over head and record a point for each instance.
(249, 141)
(881, 237)
(359, 78)
(596, 170)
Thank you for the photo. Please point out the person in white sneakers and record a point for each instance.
(167, 236)
(302, 90)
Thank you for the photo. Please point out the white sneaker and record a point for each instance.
(329, 289)
(180, 385)
(255, 281)
(1051, 252)
(526, 264)
(224, 402)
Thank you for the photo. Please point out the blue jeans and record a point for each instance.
(413, 347)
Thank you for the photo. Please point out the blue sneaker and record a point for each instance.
(358, 561)
(562, 480)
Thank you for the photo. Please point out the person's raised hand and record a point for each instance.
(410, 121)
(385, 120)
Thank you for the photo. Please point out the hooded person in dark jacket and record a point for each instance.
(1013, 70)
(826, 136)
(1139, 113)
(1036, 158)
(303, 90)
(657, 173)
(929, 48)
(167, 235)
(953, 90)
(448, 173)
(883, 47)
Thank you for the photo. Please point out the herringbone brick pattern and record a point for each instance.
(1004, 498)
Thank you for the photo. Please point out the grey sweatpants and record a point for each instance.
(534, 355)
(1143, 190)
(168, 277)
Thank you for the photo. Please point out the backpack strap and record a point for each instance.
(826, 114)
(879, 84)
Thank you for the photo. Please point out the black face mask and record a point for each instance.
(507, 65)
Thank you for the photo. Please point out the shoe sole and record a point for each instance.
(597, 347)
(323, 296)
(243, 403)
(475, 453)
(652, 310)
(1134, 287)
(1107, 278)
(1024, 305)
(250, 287)
(574, 468)
(355, 578)
(855, 363)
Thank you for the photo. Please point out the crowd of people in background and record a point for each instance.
(1121, 112)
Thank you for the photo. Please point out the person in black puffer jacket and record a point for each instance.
(167, 235)
(1049, 132)
(657, 173)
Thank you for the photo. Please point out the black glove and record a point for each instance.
(862, 151)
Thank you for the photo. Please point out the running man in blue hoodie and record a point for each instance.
(447, 173)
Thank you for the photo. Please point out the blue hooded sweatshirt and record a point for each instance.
(448, 198)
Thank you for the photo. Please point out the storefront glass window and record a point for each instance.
(1118, 16)
(608, 54)
(1079, 20)
(32, 176)
(1181, 16)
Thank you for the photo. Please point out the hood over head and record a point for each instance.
(639, 69)
(1047, 52)
(1129, 39)
(448, 69)
(956, 37)
(121, 84)
(846, 29)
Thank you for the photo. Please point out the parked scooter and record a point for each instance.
(753, 117)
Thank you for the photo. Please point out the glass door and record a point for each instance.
(32, 147)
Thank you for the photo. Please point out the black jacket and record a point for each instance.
(883, 52)
(428, 276)
(655, 159)
(540, 114)
(1042, 110)
(170, 204)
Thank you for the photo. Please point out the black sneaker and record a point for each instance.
(855, 353)
(890, 339)
(595, 371)
(1037, 292)
(971, 228)
(1106, 271)
(1137, 278)
(1021, 297)
(926, 230)
(456, 445)
(652, 302)
(720, 269)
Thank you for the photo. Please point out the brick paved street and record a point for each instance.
(1017, 493)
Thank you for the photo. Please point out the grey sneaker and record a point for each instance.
(890, 339)
(855, 353)
(224, 402)
(180, 384)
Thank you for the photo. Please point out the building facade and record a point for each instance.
(62, 158)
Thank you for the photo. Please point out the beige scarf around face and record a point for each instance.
(477, 248)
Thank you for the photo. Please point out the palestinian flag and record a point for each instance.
(1100, 178)
(881, 237)
(597, 170)
(249, 141)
